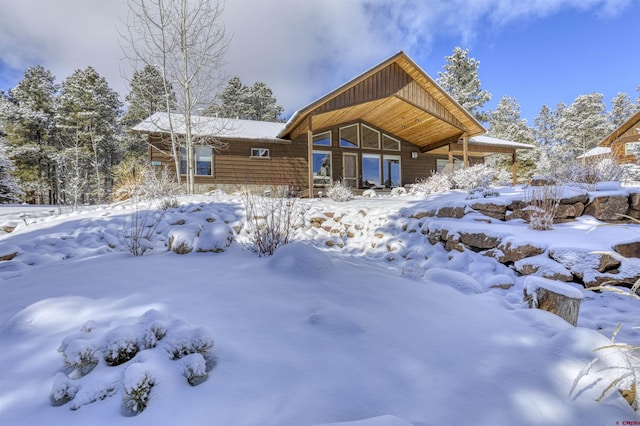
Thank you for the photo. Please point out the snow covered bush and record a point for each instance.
(543, 202)
(398, 191)
(127, 359)
(339, 192)
(473, 177)
(139, 229)
(437, 182)
(481, 192)
(369, 193)
(138, 382)
(270, 221)
(121, 346)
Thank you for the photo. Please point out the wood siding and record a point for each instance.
(233, 165)
(632, 134)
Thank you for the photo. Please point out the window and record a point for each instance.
(370, 138)
(260, 153)
(202, 159)
(391, 170)
(441, 164)
(349, 136)
(323, 139)
(321, 168)
(390, 144)
(632, 148)
(371, 170)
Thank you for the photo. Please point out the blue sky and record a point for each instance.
(540, 52)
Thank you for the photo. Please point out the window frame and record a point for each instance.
(631, 148)
(328, 179)
(183, 160)
(371, 129)
(318, 135)
(260, 151)
(350, 144)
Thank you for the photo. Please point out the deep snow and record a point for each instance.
(387, 330)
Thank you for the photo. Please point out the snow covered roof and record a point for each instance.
(227, 128)
(599, 150)
(488, 141)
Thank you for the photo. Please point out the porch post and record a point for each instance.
(310, 155)
(451, 154)
(514, 168)
(465, 150)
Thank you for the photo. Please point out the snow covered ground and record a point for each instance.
(377, 328)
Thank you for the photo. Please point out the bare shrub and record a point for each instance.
(270, 221)
(543, 202)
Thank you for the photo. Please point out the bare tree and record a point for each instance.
(186, 39)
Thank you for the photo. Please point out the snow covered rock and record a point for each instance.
(301, 260)
(608, 208)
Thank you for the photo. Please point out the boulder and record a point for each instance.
(513, 252)
(544, 267)
(631, 249)
(568, 211)
(453, 212)
(634, 201)
(496, 211)
(608, 208)
(479, 241)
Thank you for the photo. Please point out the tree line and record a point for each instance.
(560, 134)
(62, 144)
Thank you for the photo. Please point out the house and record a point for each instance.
(624, 141)
(388, 127)
(595, 155)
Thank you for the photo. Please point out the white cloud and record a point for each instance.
(301, 49)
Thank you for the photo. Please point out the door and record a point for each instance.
(350, 170)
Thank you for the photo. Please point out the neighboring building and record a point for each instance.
(595, 155)
(388, 127)
(624, 141)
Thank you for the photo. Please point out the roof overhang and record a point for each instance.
(481, 146)
(396, 96)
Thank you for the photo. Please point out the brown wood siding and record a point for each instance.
(233, 165)
(618, 151)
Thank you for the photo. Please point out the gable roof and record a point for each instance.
(624, 127)
(594, 152)
(227, 128)
(396, 96)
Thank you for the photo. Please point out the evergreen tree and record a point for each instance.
(246, 103)
(9, 188)
(146, 97)
(27, 117)
(584, 123)
(621, 109)
(546, 125)
(460, 79)
(263, 104)
(505, 123)
(87, 119)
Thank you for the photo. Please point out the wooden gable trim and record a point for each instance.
(391, 77)
(633, 121)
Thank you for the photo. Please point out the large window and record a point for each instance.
(390, 143)
(391, 170)
(370, 138)
(202, 159)
(371, 170)
(321, 168)
(349, 136)
(323, 139)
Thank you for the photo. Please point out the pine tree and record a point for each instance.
(505, 123)
(9, 188)
(27, 117)
(584, 123)
(264, 106)
(146, 97)
(621, 109)
(247, 103)
(460, 79)
(87, 119)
